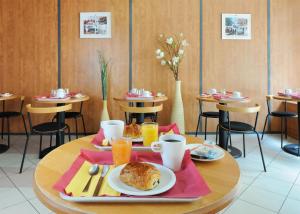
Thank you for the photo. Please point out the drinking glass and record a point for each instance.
(149, 133)
(121, 151)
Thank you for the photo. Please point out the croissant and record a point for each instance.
(142, 176)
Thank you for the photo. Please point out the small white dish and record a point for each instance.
(166, 182)
(197, 150)
(6, 94)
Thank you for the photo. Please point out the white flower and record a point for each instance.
(175, 60)
(157, 51)
(163, 62)
(184, 43)
(181, 52)
(169, 40)
(169, 62)
(161, 35)
(161, 54)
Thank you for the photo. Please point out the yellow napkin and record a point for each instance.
(81, 178)
(169, 132)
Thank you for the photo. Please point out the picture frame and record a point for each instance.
(236, 26)
(95, 25)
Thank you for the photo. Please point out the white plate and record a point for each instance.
(236, 98)
(195, 147)
(139, 98)
(6, 94)
(166, 182)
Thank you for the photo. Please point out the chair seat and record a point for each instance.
(283, 114)
(48, 127)
(9, 114)
(212, 114)
(238, 126)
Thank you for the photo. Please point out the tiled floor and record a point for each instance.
(277, 191)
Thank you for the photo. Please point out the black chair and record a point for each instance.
(241, 127)
(44, 128)
(283, 115)
(10, 114)
(74, 115)
(207, 114)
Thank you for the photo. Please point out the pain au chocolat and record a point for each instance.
(142, 176)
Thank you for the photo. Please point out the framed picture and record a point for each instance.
(236, 26)
(95, 25)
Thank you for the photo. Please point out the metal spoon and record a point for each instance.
(94, 169)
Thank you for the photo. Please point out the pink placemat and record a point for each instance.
(97, 140)
(189, 182)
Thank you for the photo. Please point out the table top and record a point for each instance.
(210, 98)
(222, 177)
(65, 101)
(148, 100)
(285, 98)
(9, 97)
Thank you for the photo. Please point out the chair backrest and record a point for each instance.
(47, 110)
(239, 109)
(142, 110)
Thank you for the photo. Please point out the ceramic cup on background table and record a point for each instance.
(236, 94)
(288, 91)
(60, 93)
(172, 149)
(113, 129)
(212, 91)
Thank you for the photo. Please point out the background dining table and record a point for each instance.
(293, 149)
(60, 139)
(223, 136)
(4, 147)
(221, 176)
(140, 102)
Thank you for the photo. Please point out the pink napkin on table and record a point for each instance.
(97, 140)
(220, 96)
(189, 182)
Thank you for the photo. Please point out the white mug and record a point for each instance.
(171, 148)
(236, 94)
(60, 93)
(212, 91)
(113, 129)
(147, 93)
(288, 91)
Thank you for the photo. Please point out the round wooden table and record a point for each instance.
(60, 139)
(222, 177)
(235, 152)
(140, 103)
(293, 149)
(5, 98)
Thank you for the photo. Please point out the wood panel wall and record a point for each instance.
(80, 68)
(285, 50)
(28, 50)
(28, 56)
(235, 64)
(150, 19)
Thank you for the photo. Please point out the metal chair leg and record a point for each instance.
(83, 124)
(217, 133)
(41, 140)
(205, 129)
(230, 142)
(244, 146)
(2, 127)
(76, 128)
(261, 152)
(69, 133)
(24, 124)
(198, 124)
(285, 127)
(50, 140)
(266, 120)
(8, 132)
(24, 154)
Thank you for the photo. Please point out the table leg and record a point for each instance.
(140, 117)
(3, 147)
(223, 137)
(294, 149)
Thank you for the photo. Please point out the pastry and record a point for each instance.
(133, 130)
(142, 176)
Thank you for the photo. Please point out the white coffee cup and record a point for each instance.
(236, 94)
(288, 91)
(171, 148)
(212, 91)
(113, 129)
(60, 93)
(147, 94)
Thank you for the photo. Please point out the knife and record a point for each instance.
(103, 173)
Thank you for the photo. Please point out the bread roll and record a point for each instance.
(142, 176)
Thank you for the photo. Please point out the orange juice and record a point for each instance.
(149, 133)
(121, 150)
